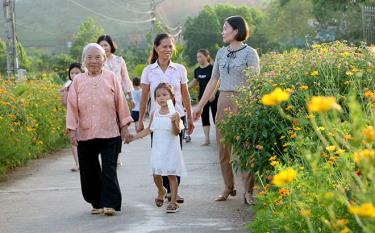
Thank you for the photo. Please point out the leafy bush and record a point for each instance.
(306, 124)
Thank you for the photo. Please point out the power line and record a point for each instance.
(111, 18)
(127, 8)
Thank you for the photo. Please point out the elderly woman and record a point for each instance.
(97, 118)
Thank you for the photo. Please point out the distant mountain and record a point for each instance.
(53, 23)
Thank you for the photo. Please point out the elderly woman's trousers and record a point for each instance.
(99, 184)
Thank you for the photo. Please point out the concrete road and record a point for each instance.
(46, 197)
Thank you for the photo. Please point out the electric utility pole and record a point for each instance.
(10, 37)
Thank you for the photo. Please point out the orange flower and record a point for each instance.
(284, 192)
(369, 133)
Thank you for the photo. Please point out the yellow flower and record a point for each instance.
(349, 73)
(290, 107)
(346, 54)
(294, 135)
(330, 148)
(340, 152)
(297, 128)
(284, 192)
(340, 222)
(355, 69)
(282, 137)
(29, 129)
(310, 116)
(39, 142)
(348, 137)
(363, 155)
(275, 97)
(369, 133)
(329, 195)
(365, 210)
(275, 163)
(284, 177)
(320, 128)
(322, 104)
(324, 50)
(303, 88)
(272, 158)
(305, 213)
(345, 230)
(315, 73)
(316, 46)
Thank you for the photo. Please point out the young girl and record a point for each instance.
(166, 153)
(74, 69)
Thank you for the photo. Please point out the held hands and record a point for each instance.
(197, 113)
(125, 135)
(141, 126)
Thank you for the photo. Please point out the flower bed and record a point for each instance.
(307, 125)
(32, 121)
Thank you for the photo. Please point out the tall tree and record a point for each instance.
(204, 30)
(89, 31)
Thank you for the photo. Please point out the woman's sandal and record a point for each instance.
(172, 208)
(96, 211)
(179, 199)
(249, 199)
(109, 211)
(160, 202)
(225, 195)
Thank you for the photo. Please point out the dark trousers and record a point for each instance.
(206, 112)
(165, 178)
(99, 185)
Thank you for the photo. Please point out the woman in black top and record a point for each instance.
(202, 76)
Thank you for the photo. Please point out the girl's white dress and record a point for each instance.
(166, 153)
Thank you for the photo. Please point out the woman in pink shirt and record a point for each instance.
(162, 70)
(97, 118)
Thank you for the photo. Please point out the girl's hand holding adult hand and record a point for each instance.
(141, 126)
(197, 113)
(125, 135)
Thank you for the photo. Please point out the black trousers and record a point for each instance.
(206, 112)
(99, 185)
(165, 178)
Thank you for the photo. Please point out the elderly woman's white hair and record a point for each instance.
(90, 46)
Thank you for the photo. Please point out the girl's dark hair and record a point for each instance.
(168, 88)
(110, 42)
(206, 53)
(239, 23)
(157, 41)
(136, 81)
(75, 65)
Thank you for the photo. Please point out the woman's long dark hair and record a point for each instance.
(154, 55)
(109, 41)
